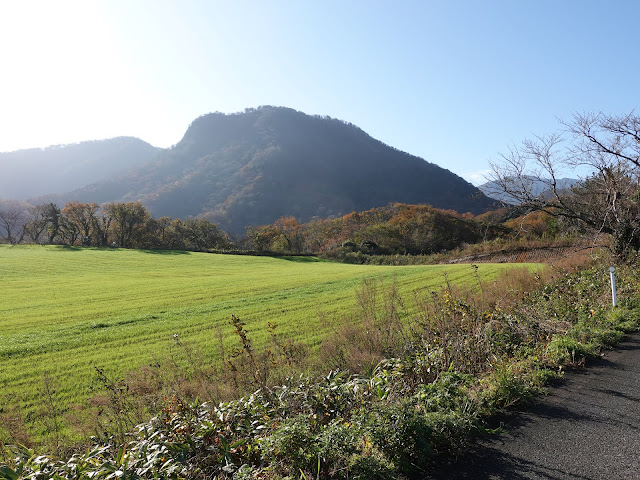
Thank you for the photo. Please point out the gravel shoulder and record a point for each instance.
(587, 427)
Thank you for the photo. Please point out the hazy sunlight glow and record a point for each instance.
(452, 82)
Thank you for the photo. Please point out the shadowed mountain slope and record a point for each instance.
(251, 168)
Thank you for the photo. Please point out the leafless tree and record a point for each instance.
(13, 218)
(607, 148)
(37, 224)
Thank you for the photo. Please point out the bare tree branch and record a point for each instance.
(606, 201)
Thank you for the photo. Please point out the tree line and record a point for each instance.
(115, 224)
(395, 229)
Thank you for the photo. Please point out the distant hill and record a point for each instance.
(538, 186)
(61, 168)
(251, 168)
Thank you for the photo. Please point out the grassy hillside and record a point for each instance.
(64, 311)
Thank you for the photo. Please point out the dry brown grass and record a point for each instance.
(14, 429)
(456, 322)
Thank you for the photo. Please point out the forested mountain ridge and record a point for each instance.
(253, 167)
(61, 168)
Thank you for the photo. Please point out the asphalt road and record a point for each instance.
(587, 427)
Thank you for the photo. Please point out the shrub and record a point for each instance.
(402, 434)
(447, 393)
(291, 447)
(624, 319)
(371, 465)
(513, 384)
(567, 350)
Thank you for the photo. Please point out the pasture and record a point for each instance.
(65, 311)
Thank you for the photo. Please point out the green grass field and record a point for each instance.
(64, 310)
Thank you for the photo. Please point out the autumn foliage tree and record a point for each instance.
(128, 222)
(261, 238)
(126, 225)
(289, 232)
(202, 235)
(83, 219)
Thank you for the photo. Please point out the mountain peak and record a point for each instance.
(252, 167)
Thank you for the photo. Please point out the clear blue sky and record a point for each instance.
(454, 82)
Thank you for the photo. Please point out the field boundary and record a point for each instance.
(528, 255)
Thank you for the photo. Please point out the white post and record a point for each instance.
(612, 271)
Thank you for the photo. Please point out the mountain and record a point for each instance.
(538, 186)
(61, 168)
(253, 167)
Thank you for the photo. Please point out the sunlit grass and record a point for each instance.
(64, 311)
